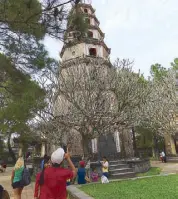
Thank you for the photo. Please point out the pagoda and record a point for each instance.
(87, 46)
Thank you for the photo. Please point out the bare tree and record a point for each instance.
(97, 98)
(158, 113)
(90, 97)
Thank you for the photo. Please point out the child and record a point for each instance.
(81, 173)
(105, 167)
(94, 175)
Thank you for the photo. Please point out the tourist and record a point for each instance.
(81, 174)
(40, 176)
(28, 156)
(105, 167)
(17, 177)
(3, 166)
(163, 155)
(42, 162)
(3, 193)
(94, 175)
(53, 184)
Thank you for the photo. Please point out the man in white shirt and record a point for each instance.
(163, 156)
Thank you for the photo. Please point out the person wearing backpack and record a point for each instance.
(16, 178)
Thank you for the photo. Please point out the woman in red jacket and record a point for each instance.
(40, 176)
(52, 180)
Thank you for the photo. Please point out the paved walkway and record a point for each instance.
(5, 178)
(5, 181)
(166, 167)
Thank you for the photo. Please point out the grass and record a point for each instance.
(162, 187)
(152, 171)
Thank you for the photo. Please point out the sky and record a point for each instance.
(145, 31)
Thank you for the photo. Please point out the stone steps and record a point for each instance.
(118, 166)
(120, 169)
(117, 162)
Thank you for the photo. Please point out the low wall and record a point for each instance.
(75, 193)
(139, 166)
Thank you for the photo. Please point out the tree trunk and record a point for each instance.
(11, 152)
(85, 146)
(123, 151)
(155, 147)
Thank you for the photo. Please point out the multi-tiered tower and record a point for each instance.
(90, 44)
(86, 47)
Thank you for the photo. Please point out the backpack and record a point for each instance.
(26, 179)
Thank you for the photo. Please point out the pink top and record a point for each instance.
(94, 177)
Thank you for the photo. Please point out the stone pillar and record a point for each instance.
(94, 145)
(169, 144)
(127, 143)
(117, 140)
(43, 149)
(20, 152)
(20, 149)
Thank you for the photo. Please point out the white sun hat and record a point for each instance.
(57, 156)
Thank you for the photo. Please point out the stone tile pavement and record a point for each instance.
(5, 181)
(166, 167)
(29, 190)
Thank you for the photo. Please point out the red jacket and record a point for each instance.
(54, 186)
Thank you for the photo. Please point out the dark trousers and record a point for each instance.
(164, 158)
(106, 174)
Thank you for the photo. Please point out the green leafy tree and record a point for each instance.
(21, 98)
(158, 71)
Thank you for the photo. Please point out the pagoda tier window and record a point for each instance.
(92, 52)
(90, 34)
(86, 11)
(70, 34)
